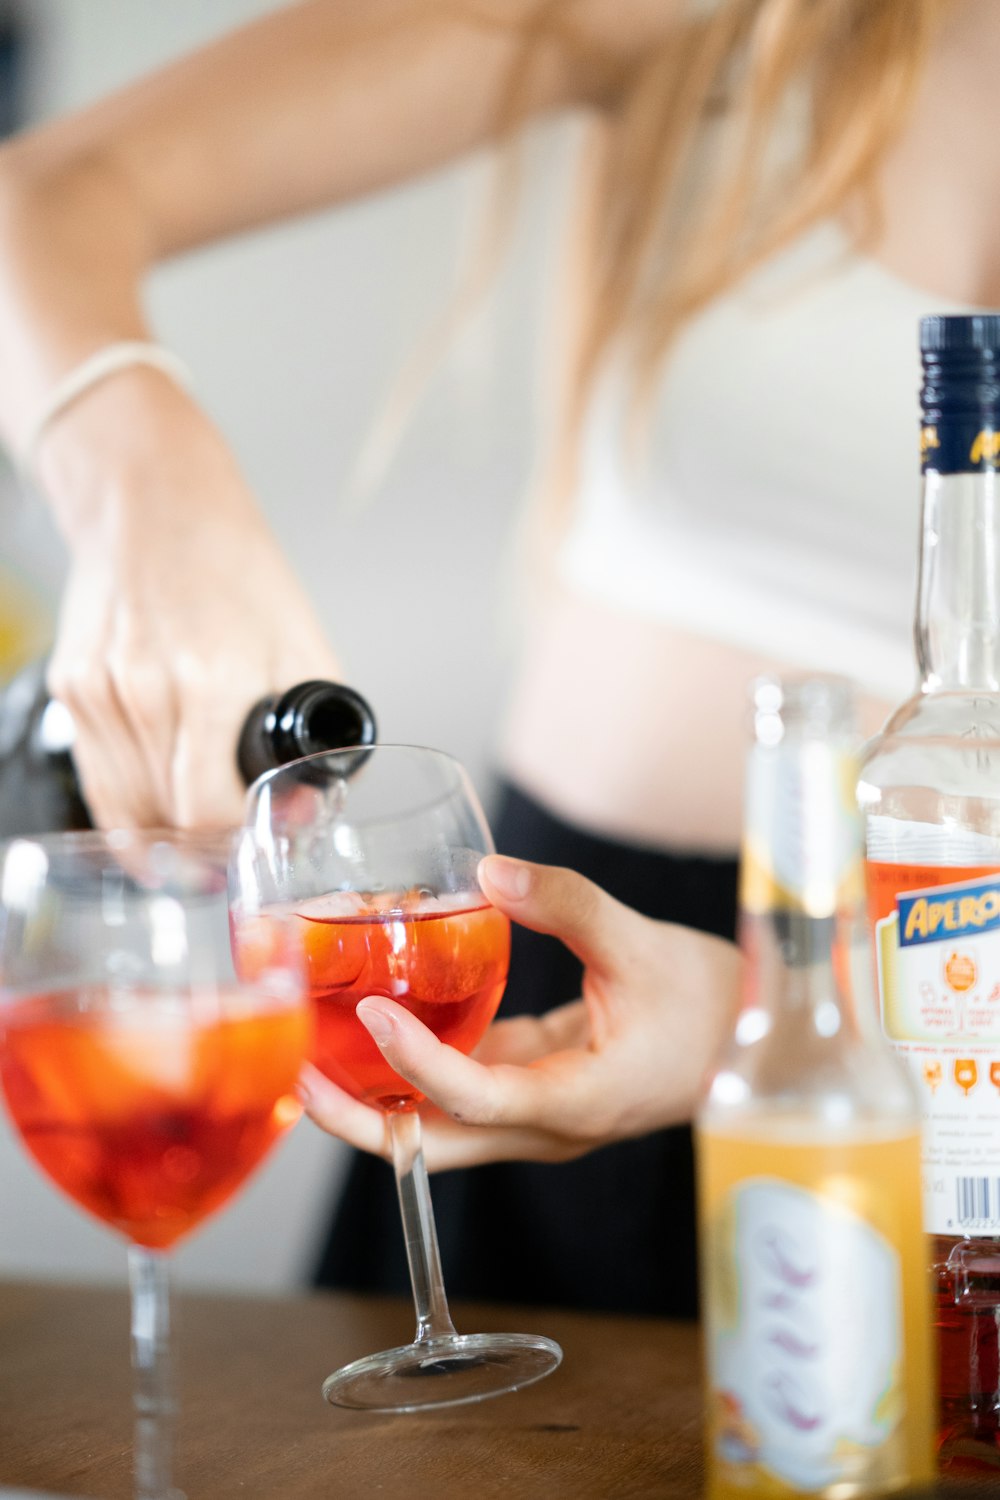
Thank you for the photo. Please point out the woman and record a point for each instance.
(774, 191)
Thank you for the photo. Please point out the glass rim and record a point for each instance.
(115, 839)
(364, 752)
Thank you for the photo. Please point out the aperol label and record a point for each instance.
(937, 951)
(962, 910)
(959, 445)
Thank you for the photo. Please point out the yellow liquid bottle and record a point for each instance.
(816, 1304)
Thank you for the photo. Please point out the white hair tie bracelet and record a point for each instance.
(90, 372)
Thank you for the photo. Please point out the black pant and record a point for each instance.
(614, 1230)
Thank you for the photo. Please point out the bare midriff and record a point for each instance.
(635, 729)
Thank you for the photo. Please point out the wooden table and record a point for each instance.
(620, 1420)
(621, 1417)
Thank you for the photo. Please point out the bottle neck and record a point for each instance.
(807, 1042)
(792, 968)
(958, 598)
(309, 718)
(801, 871)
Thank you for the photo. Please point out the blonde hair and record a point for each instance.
(804, 97)
(751, 121)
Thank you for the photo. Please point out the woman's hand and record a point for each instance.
(180, 611)
(625, 1059)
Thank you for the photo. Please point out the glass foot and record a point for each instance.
(444, 1371)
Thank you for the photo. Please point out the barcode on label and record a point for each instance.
(977, 1201)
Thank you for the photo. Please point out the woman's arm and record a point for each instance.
(315, 104)
(180, 610)
(627, 1058)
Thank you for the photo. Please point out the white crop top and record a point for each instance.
(776, 504)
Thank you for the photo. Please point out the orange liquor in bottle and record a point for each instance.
(929, 789)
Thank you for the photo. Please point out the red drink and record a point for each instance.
(967, 1296)
(447, 963)
(150, 1116)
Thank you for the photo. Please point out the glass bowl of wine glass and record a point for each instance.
(372, 856)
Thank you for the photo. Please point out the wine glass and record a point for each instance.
(145, 1079)
(373, 854)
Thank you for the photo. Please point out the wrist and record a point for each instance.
(72, 257)
(129, 447)
(104, 363)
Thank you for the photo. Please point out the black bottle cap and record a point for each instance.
(942, 332)
(960, 394)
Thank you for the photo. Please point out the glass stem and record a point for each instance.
(149, 1280)
(433, 1318)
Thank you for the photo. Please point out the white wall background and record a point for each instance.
(294, 335)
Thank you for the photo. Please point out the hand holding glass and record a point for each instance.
(373, 855)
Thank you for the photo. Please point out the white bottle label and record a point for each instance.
(938, 954)
(806, 1358)
(802, 831)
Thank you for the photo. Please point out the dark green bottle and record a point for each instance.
(39, 790)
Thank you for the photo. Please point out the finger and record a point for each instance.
(109, 765)
(148, 705)
(447, 1145)
(338, 1113)
(206, 786)
(464, 1089)
(109, 780)
(556, 1118)
(551, 1098)
(592, 924)
(524, 1039)
(207, 790)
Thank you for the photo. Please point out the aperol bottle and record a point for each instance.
(816, 1306)
(930, 792)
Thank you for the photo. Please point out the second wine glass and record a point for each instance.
(373, 854)
(144, 1079)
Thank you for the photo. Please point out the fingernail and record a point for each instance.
(379, 1023)
(511, 878)
(303, 1092)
